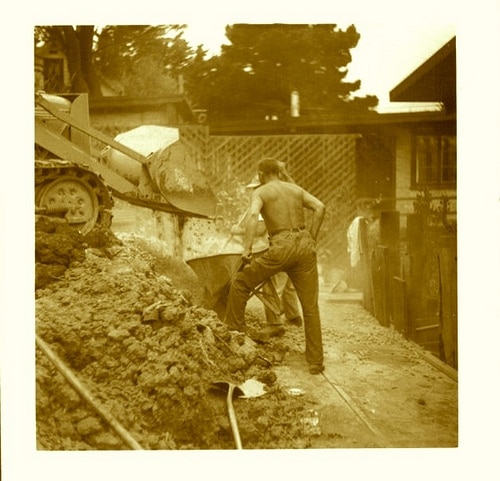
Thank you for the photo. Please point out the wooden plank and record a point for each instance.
(426, 328)
(440, 365)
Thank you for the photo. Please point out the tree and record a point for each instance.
(76, 43)
(145, 60)
(255, 74)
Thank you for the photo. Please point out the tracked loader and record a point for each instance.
(78, 181)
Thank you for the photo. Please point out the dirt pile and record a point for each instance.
(128, 324)
(58, 245)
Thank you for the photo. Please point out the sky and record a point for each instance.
(386, 54)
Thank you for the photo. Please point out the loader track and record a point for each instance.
(64, 188)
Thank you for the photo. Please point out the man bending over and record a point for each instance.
(292, 249)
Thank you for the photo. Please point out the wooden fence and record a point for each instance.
(325, 165)
(412, 285)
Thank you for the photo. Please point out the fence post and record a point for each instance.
(448, 300)
(415, 233)
(389, 237)
(366, 269)
(380, 284)
(400, 305)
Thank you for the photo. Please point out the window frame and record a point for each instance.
(439, 135)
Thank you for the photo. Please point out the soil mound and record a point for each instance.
(127, 323)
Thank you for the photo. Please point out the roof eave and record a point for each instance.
(330, 124)
(398, 92)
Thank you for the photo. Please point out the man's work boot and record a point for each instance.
(295, 321)
(316, 368)
(265, 334)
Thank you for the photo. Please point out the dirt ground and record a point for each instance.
(127, 324)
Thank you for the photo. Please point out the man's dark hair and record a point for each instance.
(268, 165)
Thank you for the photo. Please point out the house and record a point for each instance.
(51, 68)
(120, 113)
(399, 155)
(426, 150)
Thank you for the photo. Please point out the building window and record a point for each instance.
(436, 160)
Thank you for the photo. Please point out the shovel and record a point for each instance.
(238, 225)
(249, 389)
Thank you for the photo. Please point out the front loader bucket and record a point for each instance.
(180, 182)
(166, 180)
(165, 172)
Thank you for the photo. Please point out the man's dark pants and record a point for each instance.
(293, 252)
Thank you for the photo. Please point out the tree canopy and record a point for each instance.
(252, 77)
(144, 60)
(255, 74)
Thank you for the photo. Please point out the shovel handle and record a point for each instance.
(232, 417)
(228, 240)
(238, 224)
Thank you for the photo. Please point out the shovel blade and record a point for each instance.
(224, 386)
(252, 388)
(249, 389)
